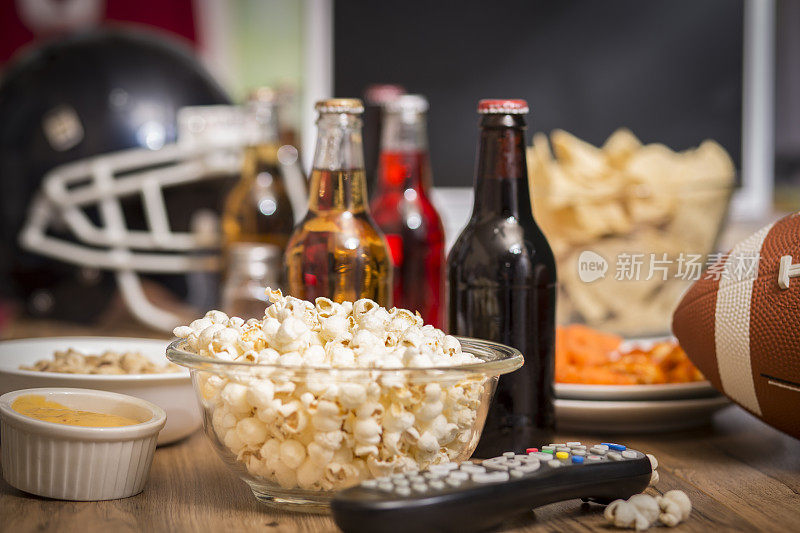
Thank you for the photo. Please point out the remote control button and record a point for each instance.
(397, 476)
(597, 451)
(385, 486)
(420, 487)
(436, 484)
(369, 484)
(416, 478)
(542, 456)
(455, 482)
(434, 475)
(615, 447)
(403, 491)
(573, 444)
(601, 446)
(516, 472)
(509, 455)
(548, 448)
(490, 477)
(472, 469)
(577, 459)
(496, 466)
(555, 463)
(525, 459)
(463, 476)
(383, 479)
(443, 467)
(594, 458)
(629, 454)
(527, 469)
(562, 455)
(581, 453)
(401, 482)
(531, 450)
(614, 456)
(579, 447)
(563, 449)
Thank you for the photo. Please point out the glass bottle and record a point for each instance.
(502, 282)
(405, 214)
(262, 207)
(337, 251)
(376, 96)
(249, 268)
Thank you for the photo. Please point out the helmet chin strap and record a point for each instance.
(130, 286)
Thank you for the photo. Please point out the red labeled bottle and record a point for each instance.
(502, 283)
(402, 209)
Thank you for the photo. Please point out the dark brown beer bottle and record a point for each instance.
(502, 283)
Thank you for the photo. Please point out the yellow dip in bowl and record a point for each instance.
(40, 408)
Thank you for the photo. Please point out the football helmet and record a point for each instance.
(103, 167)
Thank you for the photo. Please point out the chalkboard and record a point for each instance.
(669, 70)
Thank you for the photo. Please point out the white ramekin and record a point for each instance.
(76, 462)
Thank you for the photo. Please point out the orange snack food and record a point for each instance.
(588, 356)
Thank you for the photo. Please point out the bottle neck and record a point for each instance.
(403, 160)
(337, 178)
(262, 123)
(501, 175)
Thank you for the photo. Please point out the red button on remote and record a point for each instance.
(531, 450)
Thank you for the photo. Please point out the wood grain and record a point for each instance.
(740, 474)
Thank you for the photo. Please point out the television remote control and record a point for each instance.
(475, 497)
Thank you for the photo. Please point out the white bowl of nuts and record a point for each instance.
(132, 366)
(314, 398)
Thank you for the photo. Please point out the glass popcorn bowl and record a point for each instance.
(297, 434)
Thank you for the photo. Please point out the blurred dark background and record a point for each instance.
(670, 71)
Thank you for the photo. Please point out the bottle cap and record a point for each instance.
(381, 93)
(408, 103)
(340, 105)
(503, 107)
(263, 94)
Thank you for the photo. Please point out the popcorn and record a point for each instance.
(317, 431)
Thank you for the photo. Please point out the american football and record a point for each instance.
(740, 324)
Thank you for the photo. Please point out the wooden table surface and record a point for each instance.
(740, 474)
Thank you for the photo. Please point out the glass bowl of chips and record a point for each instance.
(631, 225)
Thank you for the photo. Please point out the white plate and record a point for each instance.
(636, 417)
(669, 391)
(170, 391)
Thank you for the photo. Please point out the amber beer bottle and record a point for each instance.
(502, 282)
(403, 210)
(337, 251)
(263, 206)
